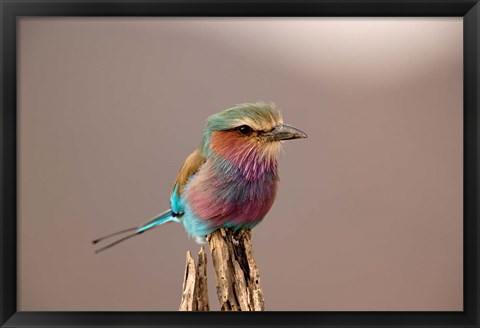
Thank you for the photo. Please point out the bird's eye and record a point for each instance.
(245, 130)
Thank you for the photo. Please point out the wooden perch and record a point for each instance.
(236, 272)
(195, 291)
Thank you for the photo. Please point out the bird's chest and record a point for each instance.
(219, 192)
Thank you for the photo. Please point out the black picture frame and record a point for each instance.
(11, 10)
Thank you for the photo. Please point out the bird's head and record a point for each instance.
(246, 130)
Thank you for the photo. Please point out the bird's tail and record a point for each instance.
(159, 219)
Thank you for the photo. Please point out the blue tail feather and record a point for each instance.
(159, 219)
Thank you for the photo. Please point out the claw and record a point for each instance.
(235, 241)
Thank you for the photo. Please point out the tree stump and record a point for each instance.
(236, 272)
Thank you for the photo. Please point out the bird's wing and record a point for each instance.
(191, 165)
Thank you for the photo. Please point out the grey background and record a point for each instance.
(369, 211)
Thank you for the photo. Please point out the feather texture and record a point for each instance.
(236, 185)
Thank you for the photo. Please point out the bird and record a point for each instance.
(231, 179)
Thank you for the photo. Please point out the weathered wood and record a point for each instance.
(201, 291)
(195, 291)
(188, 300)
(236, 271)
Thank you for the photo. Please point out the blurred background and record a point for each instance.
(369, 210)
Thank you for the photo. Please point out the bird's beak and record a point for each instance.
(284, 132)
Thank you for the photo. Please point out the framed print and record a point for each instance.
(320, 157)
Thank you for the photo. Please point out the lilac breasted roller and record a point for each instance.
(231, 179)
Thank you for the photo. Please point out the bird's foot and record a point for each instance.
(235, 241)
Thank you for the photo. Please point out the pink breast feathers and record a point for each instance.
(220, 193)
